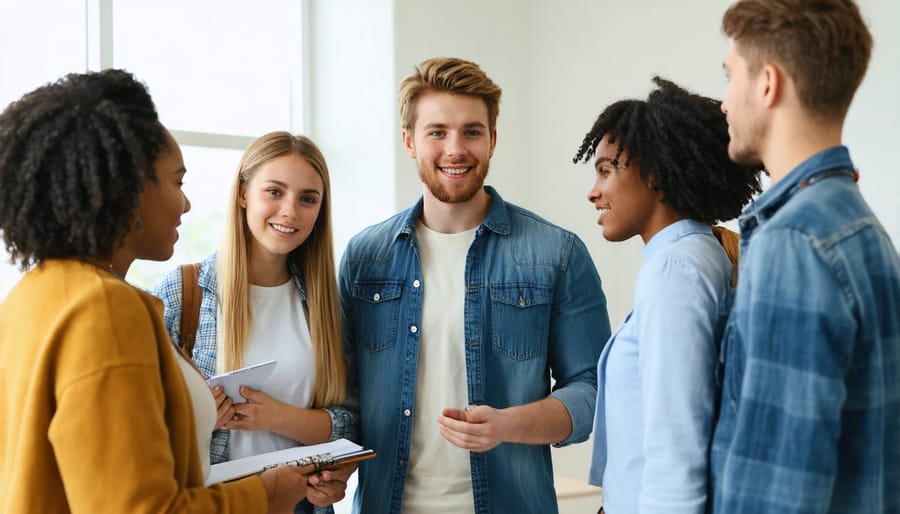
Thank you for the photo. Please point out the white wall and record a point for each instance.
(559, 64)
(352, 108)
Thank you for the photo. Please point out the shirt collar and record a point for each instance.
(768, 203)
(497, 219)
(672, 233)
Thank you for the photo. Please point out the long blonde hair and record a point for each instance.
(314, 259)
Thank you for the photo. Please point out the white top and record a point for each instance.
(278, 331)
(204, 408)
(439, 478)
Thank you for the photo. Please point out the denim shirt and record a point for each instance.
(534, 310)
(169, 290)
(810, 409)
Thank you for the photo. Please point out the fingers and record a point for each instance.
(244, 417)
(479, 413)
(254, 395)
(224, 415)
(218, 394)
(463, 427)
(454, 413)
(241, 420)
(285, 486)
(224, 406)
(329, 486)
(477, 432)
(341, 473)
(470, 442)
(325, 493)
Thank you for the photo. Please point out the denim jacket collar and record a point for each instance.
(497, 219)
(771, 200)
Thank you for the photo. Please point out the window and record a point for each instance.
(221, 73)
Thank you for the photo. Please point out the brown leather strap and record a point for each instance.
(191, 295)
(731, 242)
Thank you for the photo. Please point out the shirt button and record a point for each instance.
(416, 283)
(521, 301)
(407, 412)
(377, 297)
(413, 329)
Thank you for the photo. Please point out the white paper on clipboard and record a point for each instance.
(253, 376)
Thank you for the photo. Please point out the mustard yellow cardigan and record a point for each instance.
(94, 413)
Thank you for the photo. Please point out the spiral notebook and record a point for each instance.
(323, 455)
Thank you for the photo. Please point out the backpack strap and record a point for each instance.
(191, 295)
(731, 242)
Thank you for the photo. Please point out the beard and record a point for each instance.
(744, 145)
(446, 192)
(743, 155)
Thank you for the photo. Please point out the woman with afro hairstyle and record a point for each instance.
(663, 173)
(98, 408)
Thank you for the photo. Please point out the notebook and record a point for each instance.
(323, 455)
(254, 377)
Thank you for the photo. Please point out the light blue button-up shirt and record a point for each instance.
(534, 310)
(656, 378)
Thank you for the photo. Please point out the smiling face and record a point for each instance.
(281, 202)
(162, 202)
(452, 145)
(626, 202)
(746, 126)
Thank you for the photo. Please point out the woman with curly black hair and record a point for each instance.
(663, 173)
(97, 406)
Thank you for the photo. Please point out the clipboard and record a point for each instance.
(254, 376)
(322, 456)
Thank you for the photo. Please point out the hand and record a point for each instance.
(330, 485)
(285, 487)
(224, 407)
(478, 428)
(259, 414)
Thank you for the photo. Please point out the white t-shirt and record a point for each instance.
(278, 331)
(440, 478)
(204, 408)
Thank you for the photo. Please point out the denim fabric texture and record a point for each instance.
(656, 377)
(810, 410)
(534, 310)
(343, 422)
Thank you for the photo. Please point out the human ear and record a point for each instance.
(771, 78)
(493, 141)
(242, 198)
(408, 143)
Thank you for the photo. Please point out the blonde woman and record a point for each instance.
(271, 293)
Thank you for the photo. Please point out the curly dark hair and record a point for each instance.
(74, 155)
(682, 139)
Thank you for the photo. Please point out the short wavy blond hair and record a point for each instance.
(451, 75)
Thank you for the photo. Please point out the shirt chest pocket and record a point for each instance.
(376, 310)
(520, 320)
